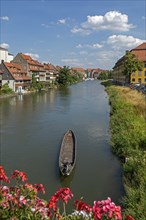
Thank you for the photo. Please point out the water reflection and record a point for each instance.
(32, 127)
(66, 181)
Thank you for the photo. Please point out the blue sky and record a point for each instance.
(77, 33)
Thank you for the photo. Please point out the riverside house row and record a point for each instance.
(137, 77)
(18, 72)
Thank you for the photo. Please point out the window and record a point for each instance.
(133, 80)
(133, 74)
(139, 80)
(145, 73)
(139, 73)
(145, 65)
(145, 79)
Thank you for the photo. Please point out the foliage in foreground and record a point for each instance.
(21, 202)
(128, 137)
(6, 89)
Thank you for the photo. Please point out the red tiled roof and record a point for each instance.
(31, 61)
(17, 71)
(48, 66)
(140, 52)
(140, 47)
(78, 69)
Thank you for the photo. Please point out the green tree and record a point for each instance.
(131, 64)
(64, 76)
(36, 85)
(6, 89)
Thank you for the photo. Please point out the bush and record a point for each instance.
(6, 89)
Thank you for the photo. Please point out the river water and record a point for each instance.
(32, 128)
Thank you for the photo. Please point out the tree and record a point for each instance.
(131, 64)
(64, 76)
(36, 85)
(6, 89)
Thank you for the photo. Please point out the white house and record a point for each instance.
(5, 55)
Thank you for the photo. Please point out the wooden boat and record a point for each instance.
(67, 156)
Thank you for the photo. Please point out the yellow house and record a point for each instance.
(140, 53)
(137, 76)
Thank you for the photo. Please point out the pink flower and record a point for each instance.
(22, 200)
(106, 208)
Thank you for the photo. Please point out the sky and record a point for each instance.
(80, 33)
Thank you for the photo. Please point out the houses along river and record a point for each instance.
(32, 128)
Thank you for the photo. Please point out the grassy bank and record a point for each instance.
(128, 139)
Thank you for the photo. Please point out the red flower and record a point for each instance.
(128, 217)
(82, 206)
(40, 187)
(64, 193)
(52, 203)
(18, 174)
(3, 176)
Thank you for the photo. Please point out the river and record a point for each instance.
(32, 128)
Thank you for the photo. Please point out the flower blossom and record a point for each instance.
(64, 193)
(106, 208)
(82, 206)
(3, 176)
(18, 174)
(40, 187)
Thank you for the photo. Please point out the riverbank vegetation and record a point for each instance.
(5, 90)
(128, 139)
(68, 77)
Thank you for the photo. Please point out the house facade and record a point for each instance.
(5, 55)
(80, 71)
(31, 66)
(140, 53)
(137, 76)
(51, 72)
(14, 76)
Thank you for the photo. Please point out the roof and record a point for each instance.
(17, 71)
(48, 66)
(31, 61)
(140, 47)
(140, 52)
(1, 48)
(80, 69)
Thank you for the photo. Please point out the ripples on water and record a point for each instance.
(32, 127)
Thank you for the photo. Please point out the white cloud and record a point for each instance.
(33, 56)
(92, 46)
(4, 45)
(71, 62)
(112, 20)
(5, 18)
(62, 21)
(143, 17)
(79, 46)
(45, 25)
(81, 31)
(123, 41)
(96, 46)
(83, 52)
